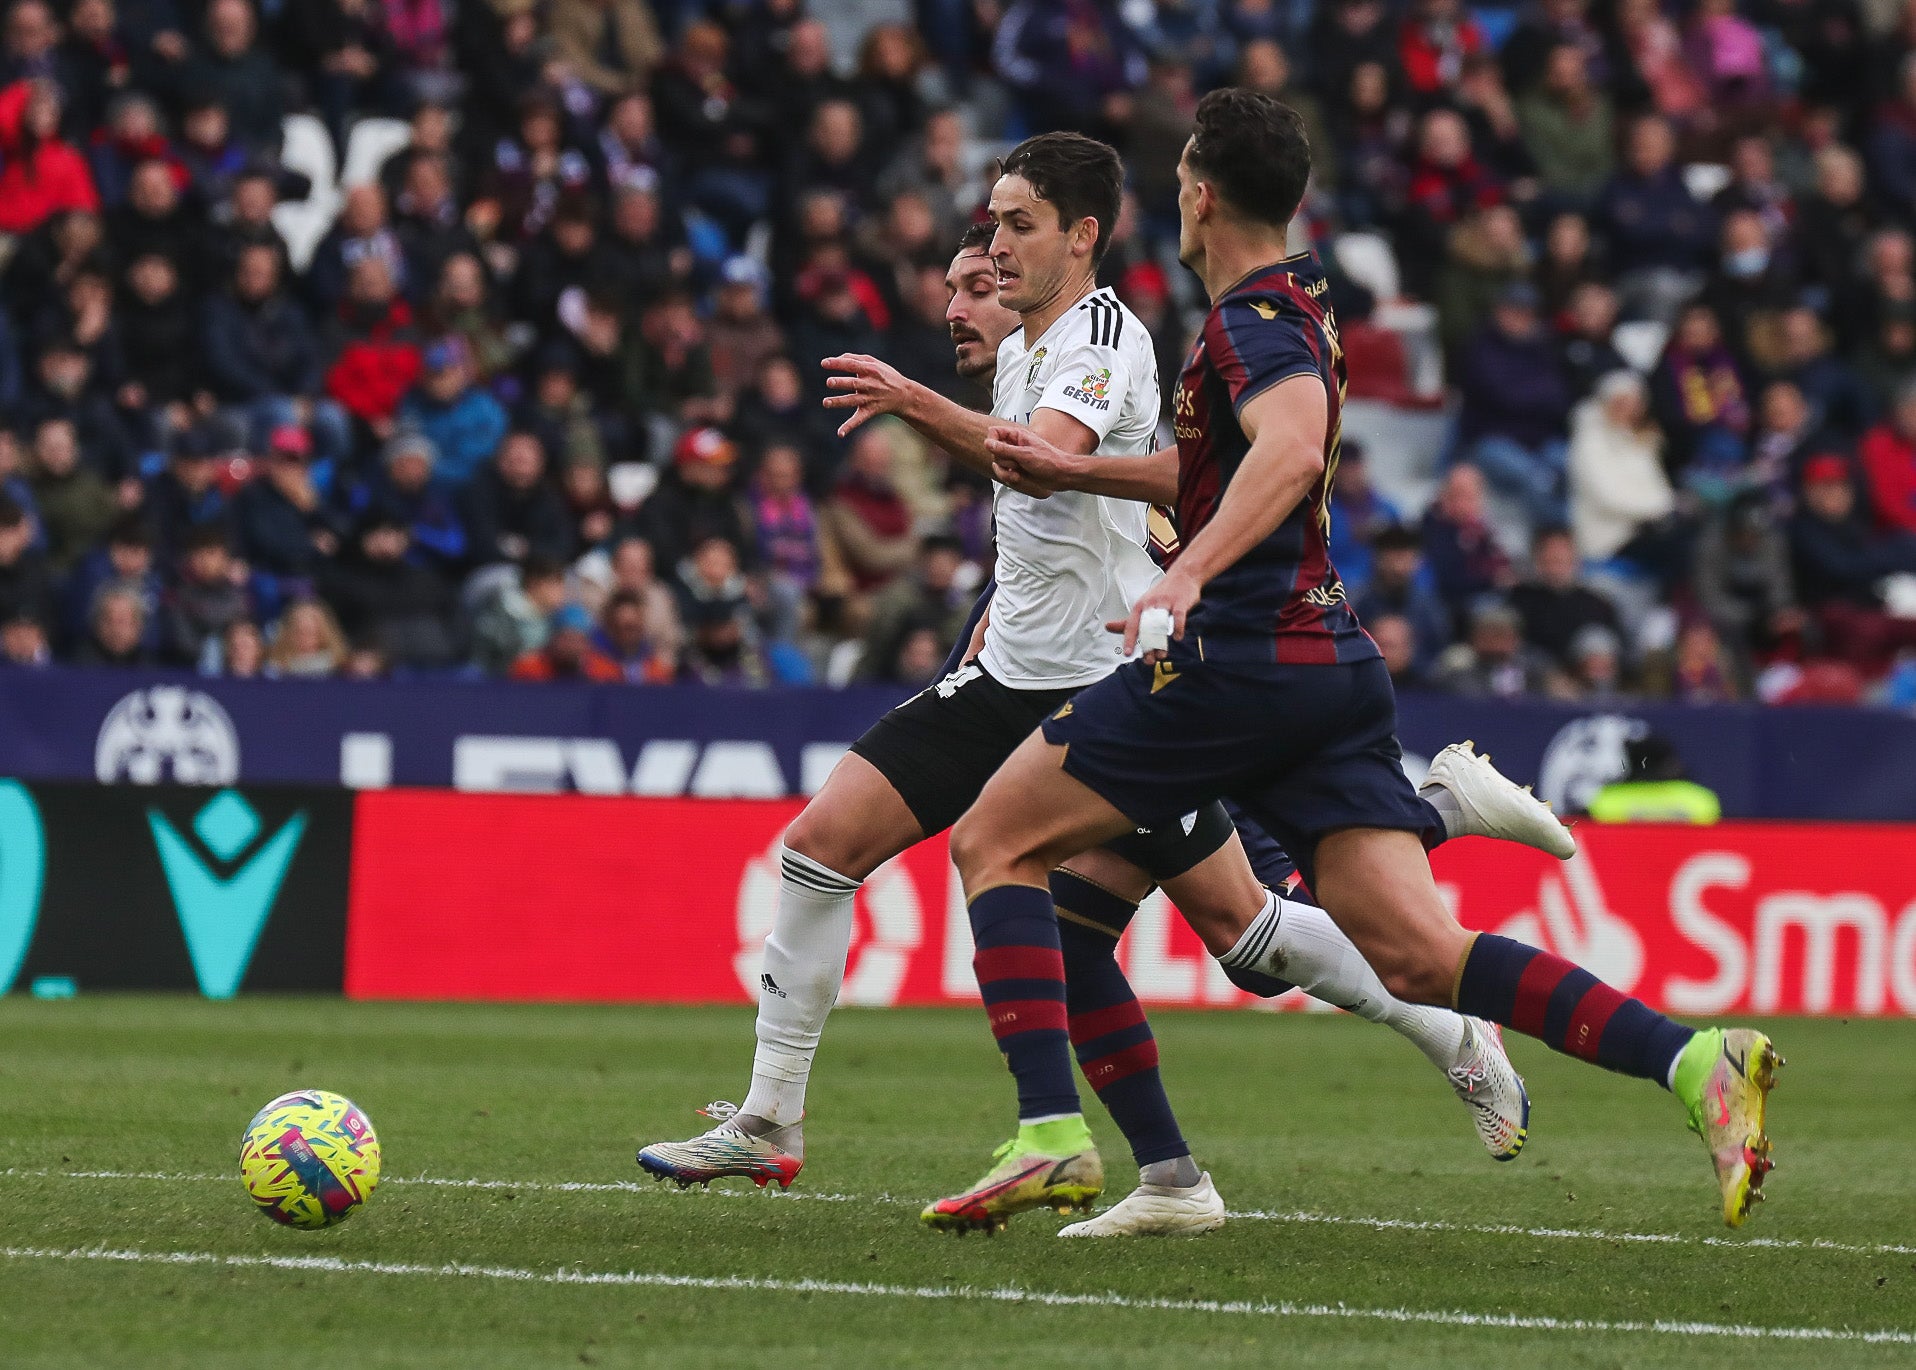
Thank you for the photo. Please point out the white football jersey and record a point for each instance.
(1068, 563)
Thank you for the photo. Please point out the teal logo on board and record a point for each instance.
(221, 915)
(23, 868)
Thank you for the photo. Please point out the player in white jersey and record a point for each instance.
(1071, 557)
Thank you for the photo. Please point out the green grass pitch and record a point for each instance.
(1372, 1229)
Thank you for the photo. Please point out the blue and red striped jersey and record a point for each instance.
(1272, 325)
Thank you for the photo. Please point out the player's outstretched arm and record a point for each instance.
(1025, 461)
(869, 387)
(1286, 426)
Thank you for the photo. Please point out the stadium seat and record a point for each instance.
(1377, 364)
(1704, 179)
(371, 142)
(1367, 259)
(1640, 343)
(308, 149)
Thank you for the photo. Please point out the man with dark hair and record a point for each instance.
(1255, 681)
(1199, 860)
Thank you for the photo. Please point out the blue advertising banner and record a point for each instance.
(153, 728)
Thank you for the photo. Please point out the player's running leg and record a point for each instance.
(853, 825)
(1119, 1058)
(1377, 884)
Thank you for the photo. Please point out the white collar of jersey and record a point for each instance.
(1103, 292)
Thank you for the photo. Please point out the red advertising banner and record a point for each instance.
(519, 897)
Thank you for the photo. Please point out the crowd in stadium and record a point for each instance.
(390, 337)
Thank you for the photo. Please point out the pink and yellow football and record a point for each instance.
(309, 1159)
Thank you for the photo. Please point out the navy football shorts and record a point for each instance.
(1304, 751)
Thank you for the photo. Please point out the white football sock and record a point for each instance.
(1299, 943)
(804, 965)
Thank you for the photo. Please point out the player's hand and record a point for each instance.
(1176, 592)
(1026, 462)
(867, 387)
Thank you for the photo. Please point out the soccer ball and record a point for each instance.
(309, 1159)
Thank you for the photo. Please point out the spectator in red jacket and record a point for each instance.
(376, 352)
(1446, 182)
(1889, 464)
(1433, 41)
(40, 175)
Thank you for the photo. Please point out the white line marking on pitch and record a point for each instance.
(1008, 1294)
(1301, 1216)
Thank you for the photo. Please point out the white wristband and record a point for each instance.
(1154, 631)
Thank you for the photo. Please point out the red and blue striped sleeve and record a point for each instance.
(1258, 340)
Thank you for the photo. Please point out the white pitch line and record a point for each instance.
(1299, 1216)
(964, 1293)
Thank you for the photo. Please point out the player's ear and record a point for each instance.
(1085, 237)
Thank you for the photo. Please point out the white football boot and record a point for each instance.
(1495, 806)
(1493, 1091)
(1156, 1210)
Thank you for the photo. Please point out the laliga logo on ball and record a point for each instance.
(876, 969)
(167, 733)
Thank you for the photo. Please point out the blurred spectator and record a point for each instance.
(238, 653)
(1433, 40)
(590, 512)
(125, 560)
(284, 526)
(1618, 491)
(374, 346)
(1700, 399)
(1554, 604)
(307, 643)
(404, 494)
(351, 55)
(1567, 261)
(360, 233)
(64, 389)
(1445, 183)
(928, 600)
(512, 511)
(463, 421)
(1485, 256)
(742, 333)
(1656, 229)
(40, 175)
(1493, 661)
(117, 629)
(1567, 127)
(1515, 403)
(232, 66)
(1889, 465)
(1833, 221)
(1397, 642)
(1071, 63)
(632, 572)
(76, 506)
(158, 345)
(721, 649)
(186, 498)
(262, 359)
(1702, 670)
(623, 639)
(1496, 131)
(696, 499)
(1400, 587)
(1596, 665)
(932, 167)
(206, 598)
(558, 413)
(390, 602)
(1840, 563)
(514, 615)
(23, 645)
(866, 518)
(1726, 52)
(1584, 339)
(786, 536)
(462, 308)
(610, 45)
(1358, 514)
(1743, 582)
(26, 587)
(1459, 545)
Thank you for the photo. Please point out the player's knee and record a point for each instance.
(969, 842)
(822, 836)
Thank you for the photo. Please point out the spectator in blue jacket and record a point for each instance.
(1516, 403)
(125, 559)
(464, 422)
(1072, 63)
(404, 494)
(284, 525)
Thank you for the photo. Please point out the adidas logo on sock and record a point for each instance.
(770, 986)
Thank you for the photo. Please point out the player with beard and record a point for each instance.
(1089, 382)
